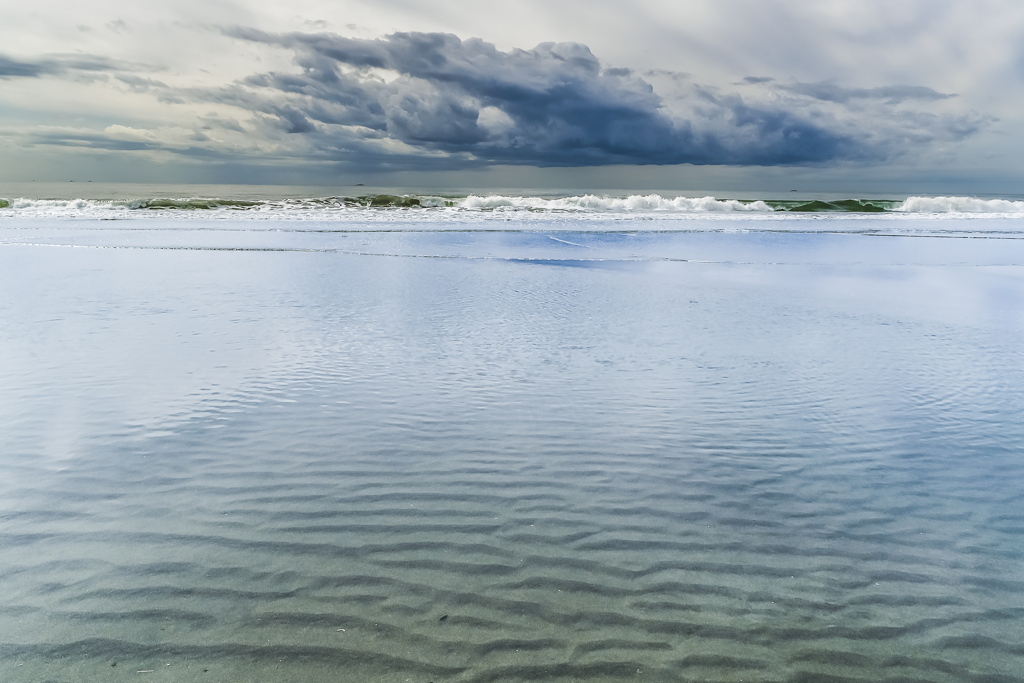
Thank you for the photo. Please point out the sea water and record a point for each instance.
(309, 439)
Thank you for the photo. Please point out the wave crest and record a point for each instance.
(584, 206)
(632, 203)
(958, 205)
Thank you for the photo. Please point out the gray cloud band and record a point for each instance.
(430, 100)
(550, 106)
(56, 65)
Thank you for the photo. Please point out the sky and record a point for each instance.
(922, 96)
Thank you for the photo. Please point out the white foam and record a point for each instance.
(63, 206)
(500, 207)
(959, 205)
(631, 204)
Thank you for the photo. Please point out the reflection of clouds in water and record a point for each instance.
(629, 462)
(62, 431)
(153, 339)
(141, 342)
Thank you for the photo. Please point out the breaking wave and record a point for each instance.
(633, 203)
(960, 205)
(585, 204)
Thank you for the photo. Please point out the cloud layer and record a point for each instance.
(553, 105)
(433, 100)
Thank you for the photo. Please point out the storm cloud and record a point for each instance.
(425, 101)
(765, 89)
(554, 105)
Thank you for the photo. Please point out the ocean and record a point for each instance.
(380, 434)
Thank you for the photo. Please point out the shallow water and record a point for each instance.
(238, 452)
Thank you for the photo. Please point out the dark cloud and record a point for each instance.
(893, 94)
(434, 101)
(89, 140)
(112, 143)
(212, 121)
(140, 84)
(553, 105)
(56, 65)
(10, 68)
(668, 73)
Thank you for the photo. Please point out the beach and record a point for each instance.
(510, 442)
